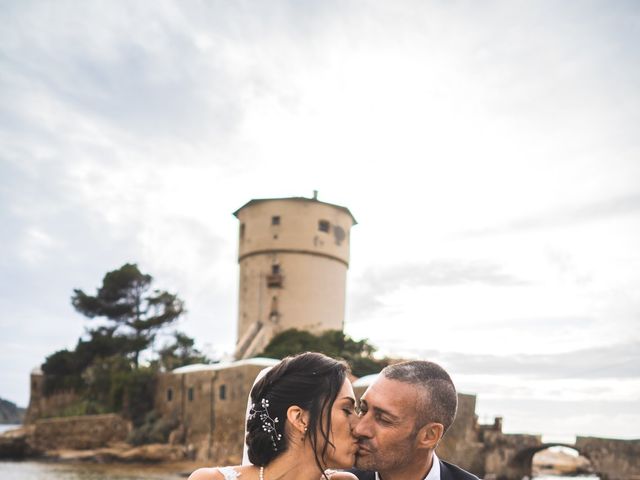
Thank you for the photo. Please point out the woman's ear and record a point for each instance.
(298, 418)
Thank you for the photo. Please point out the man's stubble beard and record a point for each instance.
(384, 460)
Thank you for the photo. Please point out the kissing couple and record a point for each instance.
(304, 424)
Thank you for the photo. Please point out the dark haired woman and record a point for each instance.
(299, 425)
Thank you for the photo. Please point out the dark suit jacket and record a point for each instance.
(448, 471)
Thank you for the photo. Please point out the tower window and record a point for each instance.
(275, 279)
(190, 394)
(274, 315)
(242, 231)
(275, 220)
(323, 226)
(275, 269)
(169, 394)
(223, 392)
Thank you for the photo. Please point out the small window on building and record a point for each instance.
(274, 280)
(223, 392)
(275, 220)
(275, 269)
(190, 394)
(274, 307)
(169, 394)
(323, 226)
(242, 227)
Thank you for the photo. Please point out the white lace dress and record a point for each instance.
(229, 473)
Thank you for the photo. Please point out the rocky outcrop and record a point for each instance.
(17, 444)
(23, 443)
(122, 453)
(79, 433)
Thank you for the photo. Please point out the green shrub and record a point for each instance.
(334, 343)
(81, 407)
(138, 394)
(154, 429)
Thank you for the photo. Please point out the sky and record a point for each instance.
(488, 150)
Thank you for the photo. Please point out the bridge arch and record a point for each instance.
(521, 462)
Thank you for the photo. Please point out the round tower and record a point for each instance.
(293, 255)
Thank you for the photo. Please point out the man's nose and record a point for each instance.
(362, 427)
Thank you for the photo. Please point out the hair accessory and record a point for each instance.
(268, 423)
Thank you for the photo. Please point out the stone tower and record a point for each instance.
(293, 255)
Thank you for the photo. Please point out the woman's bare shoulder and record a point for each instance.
(206, 474)
(219, 473)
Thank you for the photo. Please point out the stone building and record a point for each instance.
(293, 255)
(208, 402)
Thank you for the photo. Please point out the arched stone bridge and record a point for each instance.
(520, 464)
(491, 454)
(610, 459)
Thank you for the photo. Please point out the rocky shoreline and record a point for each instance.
(18, 444)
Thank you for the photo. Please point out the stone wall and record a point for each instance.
(209, 403)
(79, 433)
(613, 459)
(461, 444)
(41, 406)
(501, 454)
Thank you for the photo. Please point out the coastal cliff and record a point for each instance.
(10, 413)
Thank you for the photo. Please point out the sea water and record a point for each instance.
(30, 470)
(5, 427)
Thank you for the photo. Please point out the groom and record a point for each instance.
(404, 414)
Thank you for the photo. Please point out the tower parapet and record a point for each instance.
(293, 255)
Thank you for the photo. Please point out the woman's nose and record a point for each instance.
(353, 422)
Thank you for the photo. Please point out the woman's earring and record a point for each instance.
(304, 434)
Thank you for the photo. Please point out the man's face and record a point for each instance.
(386, 430)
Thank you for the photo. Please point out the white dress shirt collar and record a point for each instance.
(434, 473)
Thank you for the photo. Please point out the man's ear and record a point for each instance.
(298, 418)
(429, 435)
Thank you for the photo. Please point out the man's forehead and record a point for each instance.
(391, 395)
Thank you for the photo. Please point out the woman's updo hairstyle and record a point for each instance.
(309, 380)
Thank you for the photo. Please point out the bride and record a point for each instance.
(299, 425)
